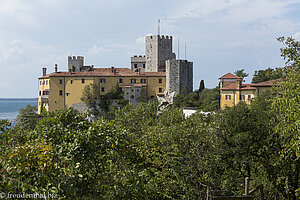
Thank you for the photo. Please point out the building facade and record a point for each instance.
(232, 90)
(149, 76)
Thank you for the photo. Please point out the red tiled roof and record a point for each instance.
(104, 72)
(233, 87)
(229, 76)
(265, 83)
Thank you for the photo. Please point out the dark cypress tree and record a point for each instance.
(201, 87)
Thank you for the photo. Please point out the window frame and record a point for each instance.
(227, 97)
(133, 80)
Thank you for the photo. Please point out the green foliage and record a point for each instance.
(267, 74)
(91, 97)
(104, 106)
(241, 73)
(4, 125)
(207, 100)
(201, 86)
(27, 117)
(287, 106)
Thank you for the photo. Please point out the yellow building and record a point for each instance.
(232, 90)
(58, 90)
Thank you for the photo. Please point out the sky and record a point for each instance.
(220, 36)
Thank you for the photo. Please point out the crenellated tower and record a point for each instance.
(75, 63)
(158, 49)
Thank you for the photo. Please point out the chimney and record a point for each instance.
(55, 67)
(112, 69)
(238, 83)
(44, 71)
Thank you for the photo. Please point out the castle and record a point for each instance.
(150, 75)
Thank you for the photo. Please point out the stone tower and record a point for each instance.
(75, 62)
(179, 76)
(158, 50)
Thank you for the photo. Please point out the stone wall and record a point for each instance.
(158, 49)
(77, 62)
(179, 76)
(138, 63)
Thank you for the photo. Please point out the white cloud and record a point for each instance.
(95, 50)
(240, 11)
(140, 40)
(297, 36)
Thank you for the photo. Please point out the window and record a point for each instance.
(102, 80)
(43, 82)
(137, 90)
(159, 80)
(133, 80)
(249, 96)
(132, 97)
(120, 80)
(47, 82)
(144, 65)
(143, 80)
(40, 82)
(227, 97)
(60, 92)
(60, 81)
(71, 81)
(135, 65)
(242, 97)
(102, 89)
(40, 93)
(67, 94)
(159, 89)
(82, 80)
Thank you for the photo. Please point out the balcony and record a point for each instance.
(45, 98)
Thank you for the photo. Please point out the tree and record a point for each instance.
(267, 74)
(287, 106)
(27, 117)
(91, 97)
(201, 86)
(241, 73)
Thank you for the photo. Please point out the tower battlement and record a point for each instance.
(158, 49)
(75, 63)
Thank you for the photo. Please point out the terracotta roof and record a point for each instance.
(229, 76)
(233, 87)
(104, 72)
(265, 83)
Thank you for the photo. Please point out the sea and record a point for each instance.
(9, 107)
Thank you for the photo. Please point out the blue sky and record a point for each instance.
(221, 35)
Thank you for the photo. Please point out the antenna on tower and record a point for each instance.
(158, 27)
(178, 47)
(185, 51)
